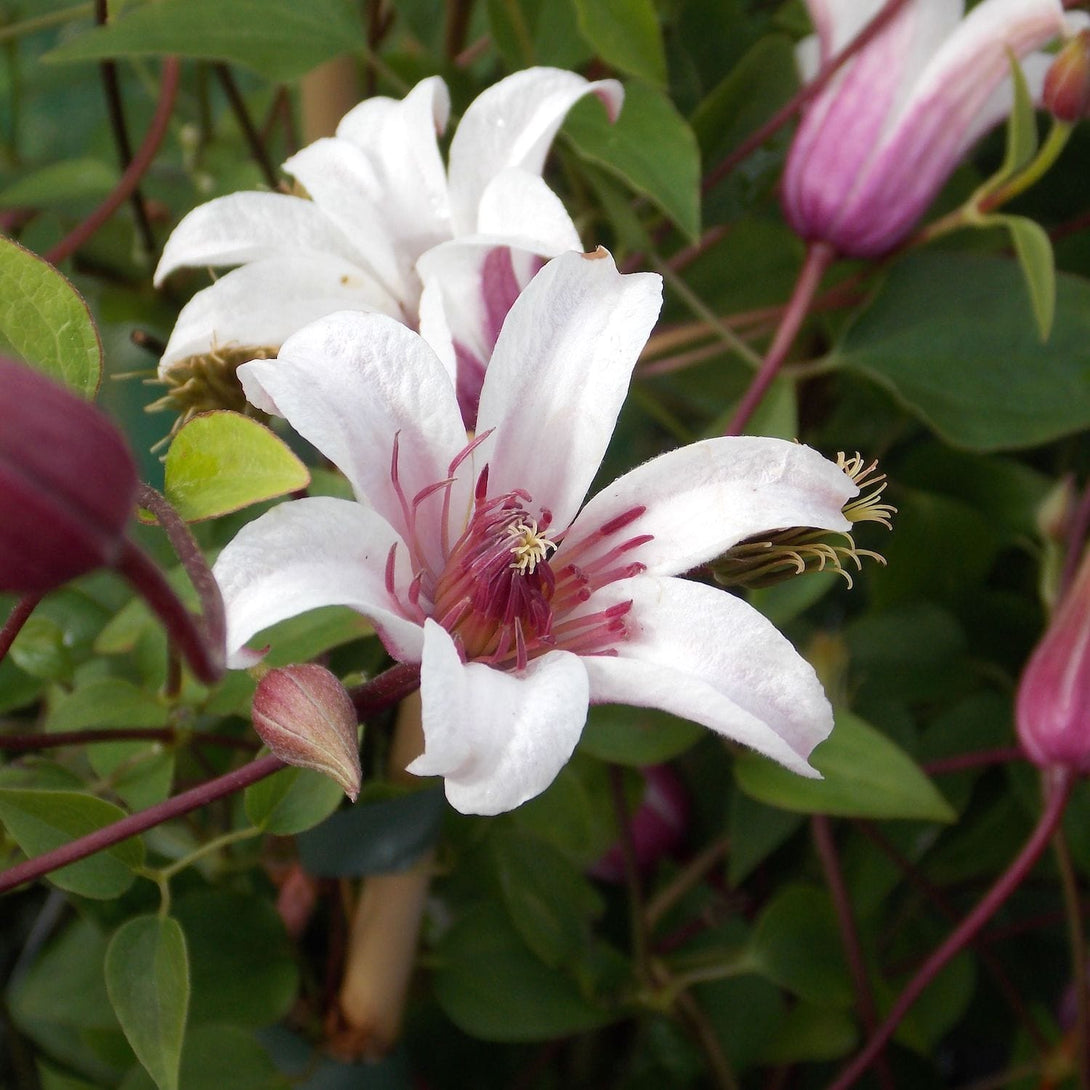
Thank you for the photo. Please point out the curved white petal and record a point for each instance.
(559, 374)
(250, 226)
(399, 137)
(512, 124)
(351, 384)
(518, 206)
(703, 654)
(701, 499)
(309, 553)
(836, 22)
(261, 304)
(342, 183)
(497, 738)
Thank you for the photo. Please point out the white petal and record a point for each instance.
(350, 384)
(518, 206)
(703, 654)
(703, 498)
(309, 553)
(400, 140)
(261, 304)
(250, 226)
(837, 22)
(498, 739)
(512, 124)
(559, 374)
(339, 179)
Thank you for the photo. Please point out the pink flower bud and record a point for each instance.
(1052, 712)
(1067, 84)
(657, 825)
(306, 718)
(67, 483)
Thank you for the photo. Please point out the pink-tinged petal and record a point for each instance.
(250, 226)
(351, 384)
(261, 304)
(498, 739)
(702, 499)
(470, 284)
(399, 137)
(309, 553)
(518, 206)
(837, 22)
(512, 124)
(705, 655)
(341, 182)
(559, 374)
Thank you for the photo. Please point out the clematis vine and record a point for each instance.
(374, 199)
(475, 560)
(876, 145)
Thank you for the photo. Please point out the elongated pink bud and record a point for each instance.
(67, 483)
(1067, 84)
(1053, 707)
(306, 718)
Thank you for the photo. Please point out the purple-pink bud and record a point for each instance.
(306, 718)
(1066, 93)
(656, 827)
(67, 483)
(1052, 712)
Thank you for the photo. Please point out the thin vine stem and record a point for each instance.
(258, 151)
(168, 90)
(44, 22)
(1058, 784)
(19, 615)
(1069, 882)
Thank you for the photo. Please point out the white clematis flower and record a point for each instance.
(380, 197)
(476, 561)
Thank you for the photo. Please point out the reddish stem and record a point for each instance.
(1058, 786)
(20, 613)
(963, 761)
(790, 108)
(136, 169)
(389, 688)
(849, 934)
(819, 255)
(139, 822)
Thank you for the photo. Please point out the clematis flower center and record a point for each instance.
(507, 591)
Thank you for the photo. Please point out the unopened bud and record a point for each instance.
(1052, 712)
(1066, 92)
(306, 718)
(67, 483)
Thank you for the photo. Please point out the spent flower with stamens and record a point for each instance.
(477, 560)
(379, 223)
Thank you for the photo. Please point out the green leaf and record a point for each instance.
(650, 147)
(60, 184)
(954, 339)
(626, 34)
(865, 775)
(809, 1032)
(280, 39)
(147, 978)
(375, 836)
(1021, 126)
(797, 945)
(42, 820)
(636, 736)
(292, 800)
(221, 462)
(106, 702)
(243, 971)
(518, 998)
(44, 320)
(1033, 248)
(548, 900)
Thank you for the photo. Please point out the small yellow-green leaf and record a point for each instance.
(44, 320)
(221, 462)
(40, 821)
(1034, 251)
(147, 979)
(865, 775)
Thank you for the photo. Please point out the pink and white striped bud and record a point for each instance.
(67, 483)
(306, 718)
(1052, 712)
(878, 142)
